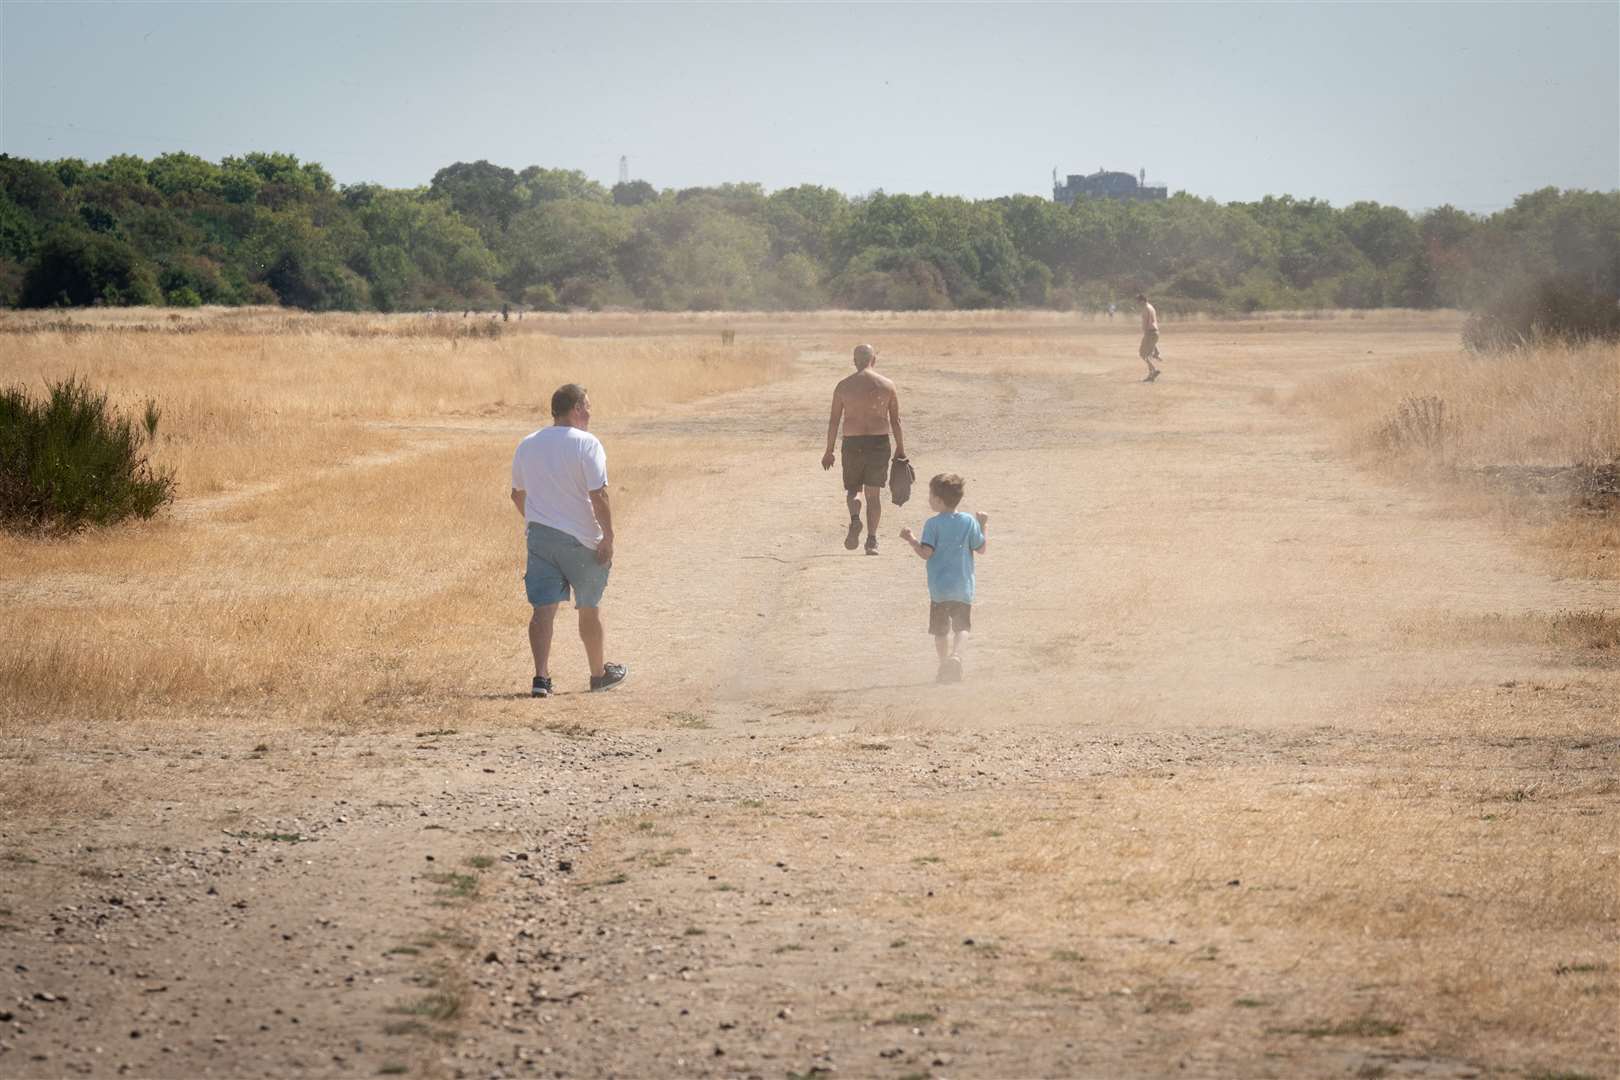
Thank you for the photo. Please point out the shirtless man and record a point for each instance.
(869, 409)
(1149, 351)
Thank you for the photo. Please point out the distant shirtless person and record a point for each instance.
(869, 409)
(1149, 351)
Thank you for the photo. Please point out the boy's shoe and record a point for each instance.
(612, 675)
(542, 686)
(950, 670)
(852, 539)
(871, 543)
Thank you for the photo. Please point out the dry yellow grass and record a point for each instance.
(1497, 431)
(343, 536)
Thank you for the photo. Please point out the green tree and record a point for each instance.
(486, 195)
(77, 268)
(536, 185)
(634, 193)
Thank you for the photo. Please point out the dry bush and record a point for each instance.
(363, 554)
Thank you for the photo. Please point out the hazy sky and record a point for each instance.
(1410, 104)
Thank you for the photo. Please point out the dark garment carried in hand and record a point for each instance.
(901, 474)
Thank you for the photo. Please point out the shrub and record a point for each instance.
(70, 461)
(543, 298)
(75, 268)
(1562, 307)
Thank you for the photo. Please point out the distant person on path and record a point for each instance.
(1149, 351)
(559, 485)
(869, 409)
(949, 541)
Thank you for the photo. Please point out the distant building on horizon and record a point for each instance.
(1103, 184)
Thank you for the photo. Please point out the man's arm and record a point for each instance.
(894, 423)
(518, 496)
(832, 429)
(604, 518)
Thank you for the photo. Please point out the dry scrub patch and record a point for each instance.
(1532, 436)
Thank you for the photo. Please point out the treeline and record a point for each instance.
(267, 228)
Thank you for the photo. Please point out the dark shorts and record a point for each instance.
(866, 461)
(949, 615)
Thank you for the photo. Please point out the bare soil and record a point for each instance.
(1262, 766)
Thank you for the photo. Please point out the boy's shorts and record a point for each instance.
(558, 562)
(1150, 345)
(945, 616)
(866, 461)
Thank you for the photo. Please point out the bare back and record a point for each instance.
(866, 398)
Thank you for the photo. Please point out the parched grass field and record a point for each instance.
(1286, 748)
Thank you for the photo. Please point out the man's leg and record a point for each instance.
(852, 538)
(541, 625)
(592, 633)
(874, 510)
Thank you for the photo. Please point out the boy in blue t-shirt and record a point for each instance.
(949, 539)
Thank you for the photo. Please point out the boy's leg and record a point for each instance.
(958, 639)
(542, 625)
(942, 645)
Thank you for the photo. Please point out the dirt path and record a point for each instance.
(770, 853)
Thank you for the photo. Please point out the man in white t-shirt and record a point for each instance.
(559, 485)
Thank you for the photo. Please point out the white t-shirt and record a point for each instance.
(556, 468)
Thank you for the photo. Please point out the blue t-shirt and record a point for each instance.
(953, 536)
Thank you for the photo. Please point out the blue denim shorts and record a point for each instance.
(557, 563)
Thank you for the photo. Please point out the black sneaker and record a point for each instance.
(852, 539)
(871, 543)
(612, 675)
(542, 686)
